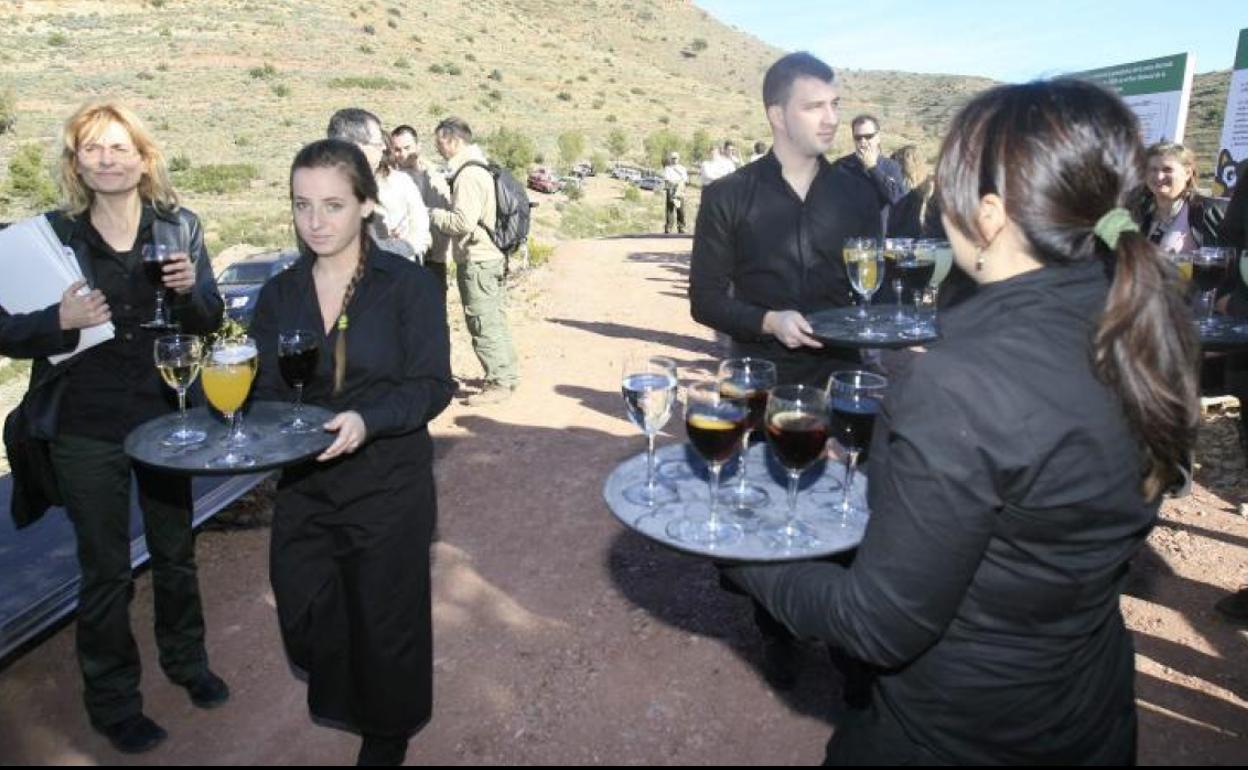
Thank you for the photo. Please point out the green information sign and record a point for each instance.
(1241, 51)
(1144, 77)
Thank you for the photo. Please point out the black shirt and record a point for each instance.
(1006, 503)
(760, 247)
(398, 373)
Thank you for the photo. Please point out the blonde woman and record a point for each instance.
(117, 199)
(1170, 210)
(908, 215)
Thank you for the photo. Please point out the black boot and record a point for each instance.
(381, 750)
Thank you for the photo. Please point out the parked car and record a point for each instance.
(240, 283)
(543, 181)
(650, 182)
(583, 169)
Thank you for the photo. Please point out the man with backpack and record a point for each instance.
(480, 266)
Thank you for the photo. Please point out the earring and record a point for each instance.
(979, 259)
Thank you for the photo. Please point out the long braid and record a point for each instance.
(340, 345)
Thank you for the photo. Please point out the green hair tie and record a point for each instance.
(1110, 227)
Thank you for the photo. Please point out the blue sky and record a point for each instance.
(1002, 40)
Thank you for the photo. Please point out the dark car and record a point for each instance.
(240, 282)
(650, 182)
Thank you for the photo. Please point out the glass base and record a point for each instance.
(916, 333)
(159, 326)
(796, 535)
(232, 460)
(641, 494)
(299, 425)
(699, 531)
(751, 496)
(184, 437)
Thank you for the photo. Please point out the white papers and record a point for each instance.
(35, 270)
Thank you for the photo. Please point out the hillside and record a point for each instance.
(246, 82)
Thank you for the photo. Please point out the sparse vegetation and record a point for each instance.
(511, 149)
(281, 89)
(179, 163)
(368, 83)
(496, 74)
(264, 72)
(270, 231)
(660, 143)
(571, 147)
(564, 96)
(617, 143)
(216, 178)
(8, 111)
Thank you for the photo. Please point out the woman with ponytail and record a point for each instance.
(1018, 465)
(349, 558)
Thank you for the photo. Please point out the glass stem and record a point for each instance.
(182, 411)
(794, 478)
(650, 462)
(160, 306)
(298, 400)
(713, 481)
(745, 447)
(851, 464)
(236, 426)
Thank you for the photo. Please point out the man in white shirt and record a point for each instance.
(717, 166)
(675, 178)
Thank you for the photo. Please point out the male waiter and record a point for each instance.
(767, 248)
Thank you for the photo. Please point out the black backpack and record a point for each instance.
(511, 214)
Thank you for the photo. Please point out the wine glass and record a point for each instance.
(866, 269)
(916, 268)
(854, 398)
(178, 358)
(797, 430)
(155, 257)
(297, 354)
(852, 251)
(748, 379)
(648, 384)
(715, 423)
(1209, 265)
(896, 250)
(228, 371)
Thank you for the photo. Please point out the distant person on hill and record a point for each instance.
(675, 179)
(717, 166)
(479, 265)
(868, 162)
(760, 149)
(434, 190)
(117, 202)
(402, 226)
(911, 212)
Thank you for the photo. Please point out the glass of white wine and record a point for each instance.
(866, 273)
(648, 384)
(178, 359)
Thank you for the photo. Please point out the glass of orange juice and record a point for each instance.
(227, 372)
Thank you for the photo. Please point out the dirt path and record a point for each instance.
(561, 638)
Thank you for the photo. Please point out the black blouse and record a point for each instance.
(1005, 491)
(398, 373)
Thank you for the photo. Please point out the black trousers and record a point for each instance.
(349, 564)
(94, 477)
(674, 213)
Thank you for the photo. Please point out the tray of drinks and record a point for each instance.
(266, 444)
(1224, 334)
(878, 327)
(682, 473)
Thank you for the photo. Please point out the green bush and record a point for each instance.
(599, 163)
(564, 96)
(281, 89)
(364, 48)
(58, 39)
(700, 145)
(270, 231)
(368, 83)
(30, 179)
(216, 178)
(512, 150)
(660, 143)
(539, 253)
(453, 69)
(632, 194)
(571, 147)
(698, 44)
(8, 111)
(179, 163)
(263, 73)
(369, 29)
(437, 69)
(573, 192)
(401, 63)
(145, 75)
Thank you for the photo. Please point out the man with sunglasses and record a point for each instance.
(867, 161)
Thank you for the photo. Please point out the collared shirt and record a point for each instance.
(760, 247)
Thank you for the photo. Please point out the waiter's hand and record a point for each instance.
(351, 434)
(179, 274)
(79, 311)
(791, 328)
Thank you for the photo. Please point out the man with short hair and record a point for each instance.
(402, 226)
(433, 190)
(675, 178)
(479, 265)
(870, 163)
(717, 166)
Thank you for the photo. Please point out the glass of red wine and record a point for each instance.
(854, 398)
(917, 268)
(797, 430)
(748, 379)
(715, 424)
(297, 353)
(155, 257)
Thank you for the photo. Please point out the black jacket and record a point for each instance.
(37, 335)
(1005, 497)
(1204, 217)
(889, 183)
(759, 247)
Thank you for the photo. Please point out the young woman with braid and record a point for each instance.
(351, 529)
(1017, 465)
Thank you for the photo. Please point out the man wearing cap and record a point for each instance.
(675, 178)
